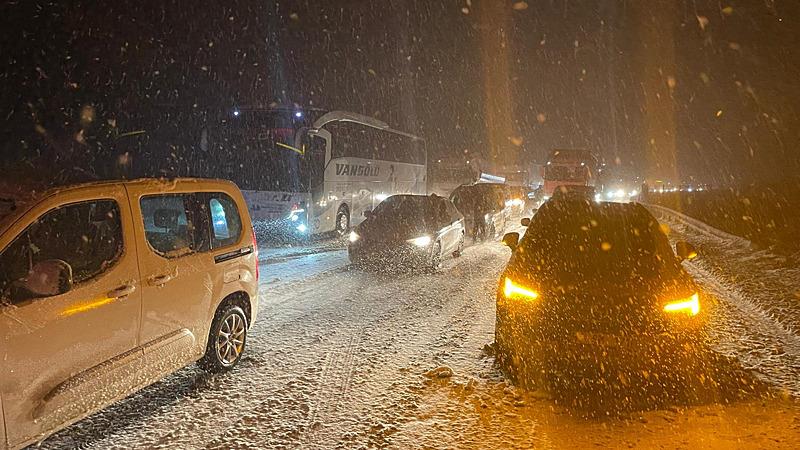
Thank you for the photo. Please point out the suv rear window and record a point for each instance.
(584, 239)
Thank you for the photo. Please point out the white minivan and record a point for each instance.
(107, 287)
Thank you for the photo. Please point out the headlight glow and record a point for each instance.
(354, 236)
(302, 228)
(511, 290)
(690, 306)
(422, 241)
(293, 214)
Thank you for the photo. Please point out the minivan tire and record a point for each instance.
(228, 334)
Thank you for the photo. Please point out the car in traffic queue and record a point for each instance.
(414, 231)
(517, 199)
(106, 287)
(486, 208)
(593, 291)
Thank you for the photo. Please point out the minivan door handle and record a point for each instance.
(160, 280)
(122, 291)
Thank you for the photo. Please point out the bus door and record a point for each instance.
(317, 154)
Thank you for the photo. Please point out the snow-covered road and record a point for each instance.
(339, 357)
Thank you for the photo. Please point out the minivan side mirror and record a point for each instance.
(526, 221)
(685, 251)
(511, 240)
(48, 278)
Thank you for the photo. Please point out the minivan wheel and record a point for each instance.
(226, 340)
(342, 221)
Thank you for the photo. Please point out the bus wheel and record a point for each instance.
(342, 220)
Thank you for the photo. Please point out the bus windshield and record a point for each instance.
(266, 156)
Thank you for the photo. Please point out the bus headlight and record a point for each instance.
(354, 236)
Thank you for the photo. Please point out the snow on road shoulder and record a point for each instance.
(770, 281)
(757, 317)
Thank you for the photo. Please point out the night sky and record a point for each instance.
(681, 90)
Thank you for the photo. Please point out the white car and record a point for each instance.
(107, 287)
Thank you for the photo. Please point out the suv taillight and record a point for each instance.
(255, 252)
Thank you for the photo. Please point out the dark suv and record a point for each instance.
(591, 285)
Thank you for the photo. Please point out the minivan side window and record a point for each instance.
(179, 224)
(225, 220)
(86, 235)
(167, 225)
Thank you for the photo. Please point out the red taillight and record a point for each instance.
(255, 252)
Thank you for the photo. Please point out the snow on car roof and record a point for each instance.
(18, 191)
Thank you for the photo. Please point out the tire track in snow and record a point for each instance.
(333, 386)
(333, 360)
(383, 312)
